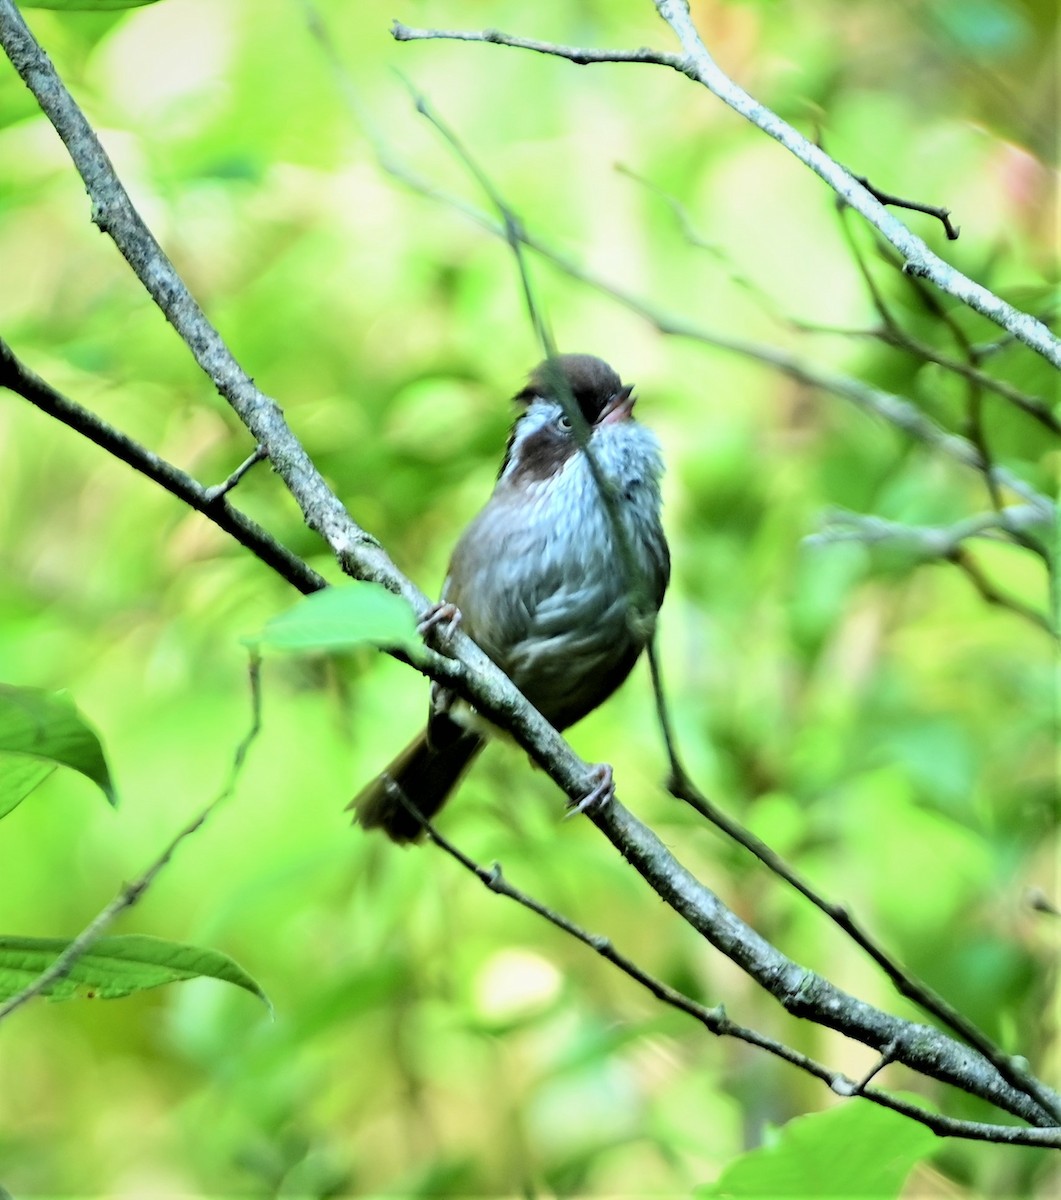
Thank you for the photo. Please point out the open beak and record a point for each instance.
(619, 407)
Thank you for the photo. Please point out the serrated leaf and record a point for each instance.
(853, 1150)
(113, 967)
(47, 728)
(19, 775)
(342, 618)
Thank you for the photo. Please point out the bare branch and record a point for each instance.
(471, 674)
(697, 63)
(928, 541)
(222, 489)
(991, 594)
(801, 991)
(941, 214)
(133, 892)
(18, 378)
(906, 984)
(577, 54)
(717, 1021)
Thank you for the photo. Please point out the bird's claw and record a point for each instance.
(600, 794)
(444, 618)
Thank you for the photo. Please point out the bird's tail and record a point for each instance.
(424, 773)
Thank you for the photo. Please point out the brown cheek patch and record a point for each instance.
(541, 455)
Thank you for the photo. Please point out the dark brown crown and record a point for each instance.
(590, 380)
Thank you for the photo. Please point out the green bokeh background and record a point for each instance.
(872, 718)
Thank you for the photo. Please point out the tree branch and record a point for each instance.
(802, 992)
(131, 893)
(470, 672)
(945, 543)
(211, 502)
(717, 1021)
(894, 409)
(889, 330)
(932, 210)
(680, 785)
(697, 64)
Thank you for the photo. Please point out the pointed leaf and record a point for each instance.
(341, 618)
(854, 1149)
(19, 775)
(114, 966)
(46, 727)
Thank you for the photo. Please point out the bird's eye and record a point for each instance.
(563, 421)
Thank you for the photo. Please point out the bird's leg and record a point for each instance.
(444, 618)
(601, 791)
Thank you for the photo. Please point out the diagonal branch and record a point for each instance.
(211, 502)
(717, 1021)
(131, 893)
(697, 64)
(896, 410)
(932, 210)
(470, 673)
(681, 786)
(888, 331)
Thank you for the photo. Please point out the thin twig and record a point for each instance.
(717, 1021)
(944, 543)
(929, 542)
(887, 1055)
(471, 673)
(682, 787)
(988, 591)
(941, 214)
(889, 331)
(975, 420)
(976, 383)
(581, 56)
(18, 378)
(133, 892)
(1031, 406)
(697, 64)
(225, 486)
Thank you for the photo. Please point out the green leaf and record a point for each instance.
(46, 728)
(341, 618)
(86, 5)
(114, 966)
(855, 1149)
(19, 775)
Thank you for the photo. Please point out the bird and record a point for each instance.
(542, 580)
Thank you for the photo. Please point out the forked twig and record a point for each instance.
(717, 1021)
(132, 893)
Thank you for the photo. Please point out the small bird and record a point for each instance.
(540, 581)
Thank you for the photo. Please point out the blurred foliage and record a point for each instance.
(870, 716)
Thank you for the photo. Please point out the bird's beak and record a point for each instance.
(619, 407)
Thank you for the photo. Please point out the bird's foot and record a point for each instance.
(443, 618)
(601, 791)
